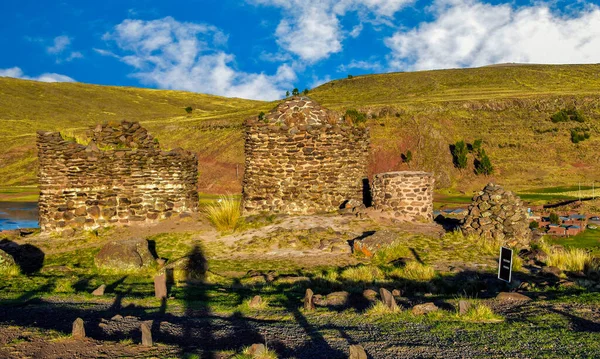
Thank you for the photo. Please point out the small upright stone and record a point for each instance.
(99, 291)
(78, 329)
(146, 334)
(160, 286)
(396, 293)
(388, 299)
(357, 352)
(463, 307)
(257, 350)
(255, 302)
(308, 300)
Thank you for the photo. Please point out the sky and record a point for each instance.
(259, 49)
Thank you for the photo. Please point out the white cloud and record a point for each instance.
(59, 48)
(186, 56)
(16, 72)
(317, 81)
(60, 44)
(312, 30)
(470, 33)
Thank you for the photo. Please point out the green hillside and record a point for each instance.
(508, 107)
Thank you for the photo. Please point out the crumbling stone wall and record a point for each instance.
(303, 159)
(497, 213)
(404, 195)
(121, 177)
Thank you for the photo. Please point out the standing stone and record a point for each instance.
(160, 286)
(99, 291)
(357, 352)
(257, 350)
(388, 299)
(308, 300)
(255, 302)
(146, 334)
(463, 307)
(78, 331)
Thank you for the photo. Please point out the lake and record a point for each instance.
(15, 215)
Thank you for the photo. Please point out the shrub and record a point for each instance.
(484, 165)
(305, 92)
(477, 146)
(295, 92)
(287, 94)
(224, 214)
(534, 225)
(554, 218)
(459, 154)
(565, 115)
(578, 135)
(406, 158)
(189, 109)
(560, 116)
(350, 77)
(261, 116)
(357, 118)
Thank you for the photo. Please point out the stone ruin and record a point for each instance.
(496, 213)
(121, 177)
(404, 195)
(301, 159)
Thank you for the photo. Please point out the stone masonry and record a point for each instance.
(496, 213)
(302, 158)
(120, 177)
(404, 195)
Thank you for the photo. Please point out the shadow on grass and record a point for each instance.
(198, 329)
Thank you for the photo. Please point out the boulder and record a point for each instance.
(257, 350)
(6, 260)
(369, 245)
(370, 294)
(552, 271)
(125, 255)
(425, 308)
(463, 307)
(99, 291)
(338, 299)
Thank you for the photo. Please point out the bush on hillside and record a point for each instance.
(459, 154)
(483, 165)
(189, 109)
(357, 118)
(578, 135)
(566, 115)
(295, 92)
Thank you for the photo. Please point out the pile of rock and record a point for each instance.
(496, 213)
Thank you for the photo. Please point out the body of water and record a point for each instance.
(15, 215)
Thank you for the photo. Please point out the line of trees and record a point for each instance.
(460, 151)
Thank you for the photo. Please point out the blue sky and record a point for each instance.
(261, 48)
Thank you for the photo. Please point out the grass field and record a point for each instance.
(507, 107)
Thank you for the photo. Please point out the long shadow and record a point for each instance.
(29, 258)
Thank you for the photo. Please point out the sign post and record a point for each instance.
(505, 264)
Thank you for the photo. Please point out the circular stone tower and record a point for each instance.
(404, 195)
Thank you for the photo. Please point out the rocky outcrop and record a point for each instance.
(496, 213)
(121, 177)
(303, 159)
(125, 255)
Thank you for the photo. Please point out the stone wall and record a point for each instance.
(404, 195)
(500, 214)
(303, 159)
(121, 177)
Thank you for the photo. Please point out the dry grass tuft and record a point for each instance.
(414, 271)
(9, 270)
(480, 313)
(570, 259)
(379, 308)
(247, 354)
(224, 214)
(362, 274)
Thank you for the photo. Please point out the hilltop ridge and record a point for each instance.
(508, 107)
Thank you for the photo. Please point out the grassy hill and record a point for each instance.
(508, 107)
